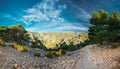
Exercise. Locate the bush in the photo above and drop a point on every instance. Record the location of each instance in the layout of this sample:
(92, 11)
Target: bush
(60, 52)
(71, 47)
(21, 42)
(35, 43)
(55, 53)
(114, 45)
(2, 42)
(20, 48)
(13, 33)
(36, 54)
(51, 55)
(3, 28)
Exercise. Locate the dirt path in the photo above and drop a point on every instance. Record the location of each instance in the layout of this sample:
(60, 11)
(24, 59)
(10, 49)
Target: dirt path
(99, 58)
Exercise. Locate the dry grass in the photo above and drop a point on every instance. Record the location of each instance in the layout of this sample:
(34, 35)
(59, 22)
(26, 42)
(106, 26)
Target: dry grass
(20, 48)
(2, 43)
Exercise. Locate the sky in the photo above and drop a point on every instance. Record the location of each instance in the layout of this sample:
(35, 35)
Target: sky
(53, 15)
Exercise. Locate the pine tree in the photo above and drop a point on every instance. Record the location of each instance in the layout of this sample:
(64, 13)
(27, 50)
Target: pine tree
(104, 27)
(98, 24)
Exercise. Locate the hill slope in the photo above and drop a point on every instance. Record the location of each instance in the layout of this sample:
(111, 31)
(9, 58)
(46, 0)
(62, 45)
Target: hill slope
(53, 40)
(90, 57)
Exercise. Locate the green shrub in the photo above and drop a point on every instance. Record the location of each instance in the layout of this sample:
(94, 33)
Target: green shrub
(35, 43)
(51, 55)
(36, 54)
(55, 53)
(20, 48)
(60, 52)
(21, 42)
(114, 46)
(2, 28)
(13, 33)
(2, 42)
(71, 47)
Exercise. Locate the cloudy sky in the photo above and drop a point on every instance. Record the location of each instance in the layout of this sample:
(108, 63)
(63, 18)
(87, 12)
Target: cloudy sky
(53, 15)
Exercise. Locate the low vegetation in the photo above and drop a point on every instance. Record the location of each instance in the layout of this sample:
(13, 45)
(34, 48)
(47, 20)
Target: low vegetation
(54, 54)
(20, 48)
(13, 34)
(37, 54)
(2, 43)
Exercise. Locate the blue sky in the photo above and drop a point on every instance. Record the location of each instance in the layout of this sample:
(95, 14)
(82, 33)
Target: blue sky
(53, 15)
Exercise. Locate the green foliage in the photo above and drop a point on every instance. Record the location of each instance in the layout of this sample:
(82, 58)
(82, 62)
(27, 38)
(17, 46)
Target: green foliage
(20, 48)
(13, 33)
(60, 52)
(37, 54)
(2, 43)
(55, 53)
(104, 27)
(35, 43)
(3, 28)
(51, 55)
(113, 46)
(100, 37)
(71, 47)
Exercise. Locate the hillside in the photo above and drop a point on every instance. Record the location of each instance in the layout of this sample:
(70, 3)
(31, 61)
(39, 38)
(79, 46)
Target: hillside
(90, 57)
(41, 44)
(53, 39)
(20, 49)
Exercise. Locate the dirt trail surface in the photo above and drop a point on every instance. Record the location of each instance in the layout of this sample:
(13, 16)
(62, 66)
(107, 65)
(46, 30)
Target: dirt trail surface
(89, 57)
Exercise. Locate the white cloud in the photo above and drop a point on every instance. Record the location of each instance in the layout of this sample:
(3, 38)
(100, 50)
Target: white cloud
(81, 13)
(44, 12)
(47, 15)
(62, 27)
(10, 17)
(71, 27)
(84, 15)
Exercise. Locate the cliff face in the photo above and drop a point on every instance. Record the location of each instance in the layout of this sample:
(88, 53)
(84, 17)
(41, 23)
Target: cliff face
(89, 57)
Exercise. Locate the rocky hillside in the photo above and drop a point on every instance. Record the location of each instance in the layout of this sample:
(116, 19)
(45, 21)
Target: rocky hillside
(20, 49)
(40, 43)
(89, 57)
(53, 39)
